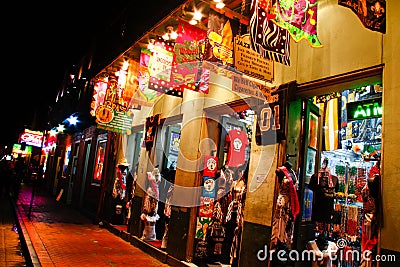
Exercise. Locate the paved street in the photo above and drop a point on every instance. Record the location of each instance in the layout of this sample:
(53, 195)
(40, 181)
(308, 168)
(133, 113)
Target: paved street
(62, 236)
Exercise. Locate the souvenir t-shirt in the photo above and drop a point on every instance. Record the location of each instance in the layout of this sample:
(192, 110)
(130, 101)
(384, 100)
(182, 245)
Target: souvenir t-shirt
(238, 141)
(151, 127)
(210, 166)
(206, 207)
(209, 187)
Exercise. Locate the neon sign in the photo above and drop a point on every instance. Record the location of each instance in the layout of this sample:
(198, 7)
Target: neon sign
(366, 109)
(32, 138)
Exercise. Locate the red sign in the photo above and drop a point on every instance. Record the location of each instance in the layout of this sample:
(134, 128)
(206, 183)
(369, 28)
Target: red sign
(31, 138)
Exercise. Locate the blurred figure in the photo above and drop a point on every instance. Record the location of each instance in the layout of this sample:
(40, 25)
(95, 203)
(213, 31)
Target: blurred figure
(19, 170)
(5, 178)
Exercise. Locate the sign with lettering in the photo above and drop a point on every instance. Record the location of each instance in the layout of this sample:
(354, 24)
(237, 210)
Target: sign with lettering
(243, 85)
(366, 109)
(250, 62)
(31, 138)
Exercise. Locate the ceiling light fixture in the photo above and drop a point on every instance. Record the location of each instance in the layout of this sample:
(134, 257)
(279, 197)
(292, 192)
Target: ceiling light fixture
(220, 5)
(197, 15)
(151, 44)
(170, 34)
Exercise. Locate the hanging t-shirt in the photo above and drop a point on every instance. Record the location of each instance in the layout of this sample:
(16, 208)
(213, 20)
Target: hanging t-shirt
(210, 166)
(208, 187)
(324, 185)
(151, 128)
(237, 141)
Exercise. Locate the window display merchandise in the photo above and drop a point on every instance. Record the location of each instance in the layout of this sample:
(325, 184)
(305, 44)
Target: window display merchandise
(221, 205)
(286, 209)
(167, 208)
(150, 205)
(121, 193)
(324, 185)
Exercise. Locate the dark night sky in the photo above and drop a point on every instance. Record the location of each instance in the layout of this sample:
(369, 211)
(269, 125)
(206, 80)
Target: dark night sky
(40, 42)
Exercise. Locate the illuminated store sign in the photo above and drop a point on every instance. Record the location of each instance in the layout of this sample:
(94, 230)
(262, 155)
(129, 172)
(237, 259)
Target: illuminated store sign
(366, 109)
(17, 149)
(31, 138)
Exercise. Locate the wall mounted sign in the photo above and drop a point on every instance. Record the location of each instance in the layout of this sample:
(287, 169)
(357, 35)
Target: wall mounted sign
(251, 62)
(366, 109)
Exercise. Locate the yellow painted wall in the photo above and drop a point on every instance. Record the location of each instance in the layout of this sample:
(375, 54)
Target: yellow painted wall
(347, 46)
(391, 129)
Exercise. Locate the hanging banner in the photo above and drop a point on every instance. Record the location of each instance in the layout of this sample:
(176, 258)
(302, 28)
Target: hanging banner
(113, 113)
(99, 92)
(160, 68)
(186, 70)
(372, 14)
(219, 42)
(250, 62)
(161, 61)
(179, 61)
(149, 94)
(113, 120)
(299, 18)
(267, 38)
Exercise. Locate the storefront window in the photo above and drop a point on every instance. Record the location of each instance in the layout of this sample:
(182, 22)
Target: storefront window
(221, 212)
(156, 209)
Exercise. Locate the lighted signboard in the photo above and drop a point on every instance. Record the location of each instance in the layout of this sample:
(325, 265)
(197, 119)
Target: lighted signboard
(32, 138)
(366, 109)
(17, 149)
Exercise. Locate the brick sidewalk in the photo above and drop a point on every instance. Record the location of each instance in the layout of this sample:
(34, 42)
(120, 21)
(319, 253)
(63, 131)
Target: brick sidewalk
(10, 245)
(62, 236)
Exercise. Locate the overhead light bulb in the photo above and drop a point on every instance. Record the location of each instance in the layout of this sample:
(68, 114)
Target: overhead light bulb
(220, 5)
(150, 45)
(165, 36)
(174, 35)
(170, 34)
(197, 15)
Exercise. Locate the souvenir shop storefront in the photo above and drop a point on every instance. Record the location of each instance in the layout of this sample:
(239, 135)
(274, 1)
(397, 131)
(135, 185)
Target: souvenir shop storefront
(339, 159)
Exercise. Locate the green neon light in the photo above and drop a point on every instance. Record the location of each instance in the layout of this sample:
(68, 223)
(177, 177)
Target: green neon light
(366, 109)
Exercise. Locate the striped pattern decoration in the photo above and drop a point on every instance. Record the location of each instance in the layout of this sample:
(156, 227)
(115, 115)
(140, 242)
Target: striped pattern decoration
(267, 38)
